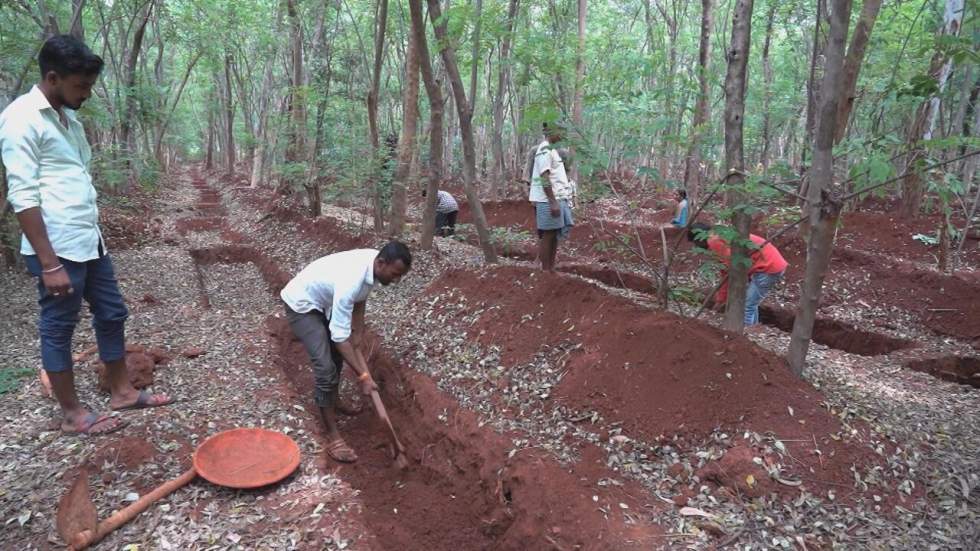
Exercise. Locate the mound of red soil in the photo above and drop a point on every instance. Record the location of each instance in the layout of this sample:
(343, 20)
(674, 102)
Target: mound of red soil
(129, 451)
(590, 238)
(140, 366)
(324, 230)
(501, 214)
(275, 277)
(656, 373)
(463, 490)
(886, 233)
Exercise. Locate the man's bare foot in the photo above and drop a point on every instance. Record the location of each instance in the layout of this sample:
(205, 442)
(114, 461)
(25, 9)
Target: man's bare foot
(92, 424)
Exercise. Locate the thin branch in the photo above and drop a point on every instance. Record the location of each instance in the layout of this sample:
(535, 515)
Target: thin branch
(781, 190)
(905, 174)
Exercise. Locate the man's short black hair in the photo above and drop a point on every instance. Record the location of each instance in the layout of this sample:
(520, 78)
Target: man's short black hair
(66, 55)
(698, 234)
(396, 250)
(682, 193)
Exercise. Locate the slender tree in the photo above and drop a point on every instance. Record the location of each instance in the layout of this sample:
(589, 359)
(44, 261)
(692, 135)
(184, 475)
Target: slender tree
(381, 25)
(406, 143)
(465, 112)
(433, 91)
(692, 168)
(738, 54)
(822, 207)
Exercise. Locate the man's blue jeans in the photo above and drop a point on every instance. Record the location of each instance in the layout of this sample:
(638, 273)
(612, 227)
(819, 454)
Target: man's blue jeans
(95, 281)
(759, 286)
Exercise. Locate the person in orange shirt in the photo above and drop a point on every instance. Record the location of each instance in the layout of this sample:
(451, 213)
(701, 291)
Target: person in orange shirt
(768, 268)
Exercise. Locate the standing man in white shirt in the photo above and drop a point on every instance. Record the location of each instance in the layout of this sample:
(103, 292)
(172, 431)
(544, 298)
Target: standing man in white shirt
(551, 195)
(325, 309)
(46, 154)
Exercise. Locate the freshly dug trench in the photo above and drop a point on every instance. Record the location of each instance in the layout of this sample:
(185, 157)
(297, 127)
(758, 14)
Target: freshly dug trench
(964, 370)
(463, 489)
(836, 334)
(273, 275)
(611, 277)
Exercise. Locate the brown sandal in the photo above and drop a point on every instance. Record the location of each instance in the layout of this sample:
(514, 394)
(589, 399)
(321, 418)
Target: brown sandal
(338, 450)
(92, 421)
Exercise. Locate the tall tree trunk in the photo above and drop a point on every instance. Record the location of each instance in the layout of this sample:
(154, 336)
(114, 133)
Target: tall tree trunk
(209, 150)
(579, 94)
(941, 66)
(738, 55)
(852, 64)
(465, 112)
(433, 91)
(767, 89)
(406, 143)
(811, 83)
(129, 82)
(372, 106)
(229, 117)
(823, 207)
(474, 90)
(296, 154)
(503, 77)
(692, 168)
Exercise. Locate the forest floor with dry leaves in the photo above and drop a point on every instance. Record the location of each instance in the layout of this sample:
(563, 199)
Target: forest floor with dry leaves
(520, 433)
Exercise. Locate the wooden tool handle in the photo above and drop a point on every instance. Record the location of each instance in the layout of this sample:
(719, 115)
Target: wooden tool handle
(84, 539)
(383, 414)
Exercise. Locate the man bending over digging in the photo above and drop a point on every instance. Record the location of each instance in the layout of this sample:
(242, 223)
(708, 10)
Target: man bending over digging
(325, 309)
(768, 268)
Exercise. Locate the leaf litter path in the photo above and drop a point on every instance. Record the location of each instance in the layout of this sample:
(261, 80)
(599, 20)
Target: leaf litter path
(936, 429)
(227, 386)
(238, 381)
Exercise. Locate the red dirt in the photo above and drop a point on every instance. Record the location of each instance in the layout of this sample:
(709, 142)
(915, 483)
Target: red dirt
(946, 304)
(323, 230)
(461, 490)
(958, 369)
(129, 451)
(198, 223)
(275, 277)
(653, 372)
(611, 277)
(885, 233)
(589, 239)
(501, 214)
(836, 334)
